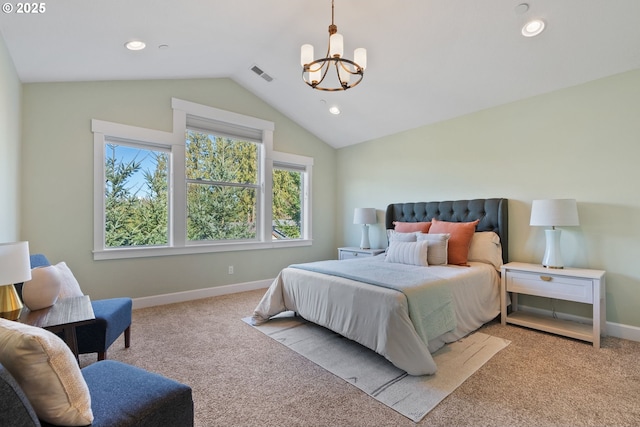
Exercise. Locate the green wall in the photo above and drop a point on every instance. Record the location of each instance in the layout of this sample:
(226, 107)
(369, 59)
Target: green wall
(10, 95)
(57, 183)
(582, 142)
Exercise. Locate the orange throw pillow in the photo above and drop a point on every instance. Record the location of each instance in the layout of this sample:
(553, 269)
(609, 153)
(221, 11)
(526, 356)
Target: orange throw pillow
(460, 240)
(410, 227)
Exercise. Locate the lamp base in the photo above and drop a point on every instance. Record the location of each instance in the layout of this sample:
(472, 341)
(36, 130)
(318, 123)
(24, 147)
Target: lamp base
(12, 315)
(364, 242)
(552, 257)
(10, 304)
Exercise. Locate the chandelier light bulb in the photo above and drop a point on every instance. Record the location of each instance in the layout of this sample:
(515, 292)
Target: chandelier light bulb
(360, 57)
(315, 76)
(306, 54)
(344, 73)
(336, 46)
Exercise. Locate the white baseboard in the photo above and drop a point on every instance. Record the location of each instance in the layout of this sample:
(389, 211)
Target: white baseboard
(171, 298)
(617, 330)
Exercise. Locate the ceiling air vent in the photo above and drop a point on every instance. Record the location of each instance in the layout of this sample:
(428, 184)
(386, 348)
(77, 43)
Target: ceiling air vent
(261, 73)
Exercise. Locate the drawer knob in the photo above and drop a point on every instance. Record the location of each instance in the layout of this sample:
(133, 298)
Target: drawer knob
(546, 278)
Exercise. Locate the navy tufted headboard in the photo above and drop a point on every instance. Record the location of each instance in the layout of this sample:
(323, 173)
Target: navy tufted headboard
(492, 213)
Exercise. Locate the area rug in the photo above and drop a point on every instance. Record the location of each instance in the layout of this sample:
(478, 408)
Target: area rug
(411, 396)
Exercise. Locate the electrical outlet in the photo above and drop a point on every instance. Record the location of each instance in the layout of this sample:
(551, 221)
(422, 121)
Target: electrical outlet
(231, 269)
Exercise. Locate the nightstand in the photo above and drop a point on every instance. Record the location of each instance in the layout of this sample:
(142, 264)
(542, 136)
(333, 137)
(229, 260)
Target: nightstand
(348, 253)
(570, 284)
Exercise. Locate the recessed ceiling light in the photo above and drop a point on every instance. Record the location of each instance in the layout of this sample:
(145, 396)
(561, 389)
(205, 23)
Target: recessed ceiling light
(334, 110)
(533, 28)
(135, 45)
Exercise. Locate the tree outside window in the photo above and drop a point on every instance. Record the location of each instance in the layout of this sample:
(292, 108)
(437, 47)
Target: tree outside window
(222, 187)
(287, 203)
(136, 196)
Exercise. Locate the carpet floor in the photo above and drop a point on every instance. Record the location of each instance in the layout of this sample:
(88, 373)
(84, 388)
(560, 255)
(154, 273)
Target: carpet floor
(241, 377)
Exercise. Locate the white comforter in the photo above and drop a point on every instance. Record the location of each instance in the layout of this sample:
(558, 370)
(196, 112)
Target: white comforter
(378, 317)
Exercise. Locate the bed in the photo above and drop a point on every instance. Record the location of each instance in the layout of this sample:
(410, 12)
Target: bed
(393, 303)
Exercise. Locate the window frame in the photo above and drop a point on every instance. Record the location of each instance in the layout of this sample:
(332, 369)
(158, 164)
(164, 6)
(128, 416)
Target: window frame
(175, 142)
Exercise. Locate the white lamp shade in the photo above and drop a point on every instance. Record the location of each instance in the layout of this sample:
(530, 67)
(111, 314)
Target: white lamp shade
(344, 74)
(554, 213)
(336, 45)
(364, 216)
(360, 57)
(306, 54)
(15, 265)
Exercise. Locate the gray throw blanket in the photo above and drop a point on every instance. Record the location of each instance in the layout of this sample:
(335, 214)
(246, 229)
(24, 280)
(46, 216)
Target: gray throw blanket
(429, 297)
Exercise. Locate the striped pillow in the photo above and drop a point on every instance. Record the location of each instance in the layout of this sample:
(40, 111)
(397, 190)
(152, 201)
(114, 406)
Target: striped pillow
(413, 253)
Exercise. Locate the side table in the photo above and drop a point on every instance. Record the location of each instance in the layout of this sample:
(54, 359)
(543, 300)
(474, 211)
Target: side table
(569, 284)
(63, 316)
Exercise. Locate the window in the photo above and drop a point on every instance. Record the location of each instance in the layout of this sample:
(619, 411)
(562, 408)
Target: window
(136, 195)
(291, 203)
(222, 187)
(212, 184)
(288, 202)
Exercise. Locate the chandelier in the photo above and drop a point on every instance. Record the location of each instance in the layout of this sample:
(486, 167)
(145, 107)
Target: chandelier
(315, 71)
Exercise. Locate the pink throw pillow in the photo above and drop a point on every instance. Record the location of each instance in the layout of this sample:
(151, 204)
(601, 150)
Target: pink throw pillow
(410, 227)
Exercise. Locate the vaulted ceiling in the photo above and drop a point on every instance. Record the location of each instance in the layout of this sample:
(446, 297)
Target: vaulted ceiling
(428, 60)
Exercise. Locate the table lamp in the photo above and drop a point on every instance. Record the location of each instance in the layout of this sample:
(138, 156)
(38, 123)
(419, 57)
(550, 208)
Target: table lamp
(15, 267)
(364, 216)
(553, 213)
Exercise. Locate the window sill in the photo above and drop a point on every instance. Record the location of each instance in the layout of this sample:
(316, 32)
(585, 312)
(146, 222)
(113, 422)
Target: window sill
(194, 249)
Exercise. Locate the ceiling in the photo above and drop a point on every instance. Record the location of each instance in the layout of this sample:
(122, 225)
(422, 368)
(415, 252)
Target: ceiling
(428, 60)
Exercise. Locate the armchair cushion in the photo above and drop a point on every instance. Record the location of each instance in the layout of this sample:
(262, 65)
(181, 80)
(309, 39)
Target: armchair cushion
(113, 315)
(124, 395)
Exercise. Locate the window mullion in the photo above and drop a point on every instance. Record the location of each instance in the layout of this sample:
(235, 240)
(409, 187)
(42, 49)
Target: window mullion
(178, 196)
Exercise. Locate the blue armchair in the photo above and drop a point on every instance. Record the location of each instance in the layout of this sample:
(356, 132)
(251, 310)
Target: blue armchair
(121, 395)
(113, 318)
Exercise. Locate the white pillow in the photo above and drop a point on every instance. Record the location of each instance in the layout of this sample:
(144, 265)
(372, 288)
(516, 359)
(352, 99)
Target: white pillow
(393, 235)
(486, 247)
(438, 247)
(47, 372)
(413, 253)
(69, 285)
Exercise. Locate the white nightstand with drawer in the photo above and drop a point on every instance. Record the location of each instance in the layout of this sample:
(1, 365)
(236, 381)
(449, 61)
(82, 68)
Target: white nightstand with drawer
(570, 284)
(348, 253)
